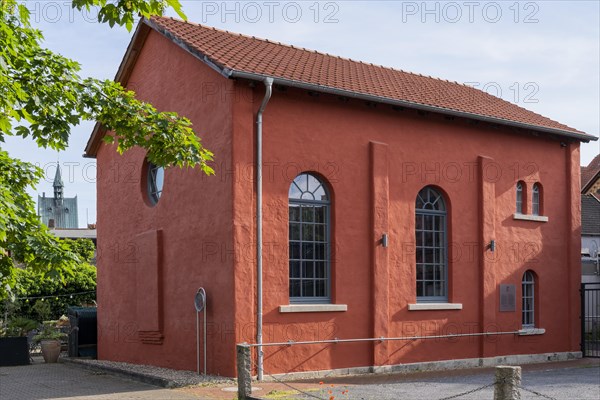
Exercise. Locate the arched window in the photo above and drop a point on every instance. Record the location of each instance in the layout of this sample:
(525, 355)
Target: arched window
(309, 269)
(431, 246)
(528, 300)
(536, 199)
(520, 190)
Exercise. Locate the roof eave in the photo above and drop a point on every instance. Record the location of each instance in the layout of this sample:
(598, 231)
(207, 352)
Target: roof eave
(583, 137)
(145, 25)
(590, 183)
(190, 49)
(129, 59)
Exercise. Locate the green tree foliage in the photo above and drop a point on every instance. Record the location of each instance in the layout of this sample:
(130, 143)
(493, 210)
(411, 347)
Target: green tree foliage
(42, 96)
(54, 296)
(83, 248)
(39, 297)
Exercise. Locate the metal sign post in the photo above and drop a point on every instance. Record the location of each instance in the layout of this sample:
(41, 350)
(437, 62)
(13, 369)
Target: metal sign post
(200, 304)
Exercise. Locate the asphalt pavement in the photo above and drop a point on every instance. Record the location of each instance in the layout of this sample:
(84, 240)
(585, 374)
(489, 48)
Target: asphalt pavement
(63, 381)
(568, 380)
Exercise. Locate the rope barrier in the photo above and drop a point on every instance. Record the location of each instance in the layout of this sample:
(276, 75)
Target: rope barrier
(288, 385)
(455, 396)
(537, 393)
(468, 392)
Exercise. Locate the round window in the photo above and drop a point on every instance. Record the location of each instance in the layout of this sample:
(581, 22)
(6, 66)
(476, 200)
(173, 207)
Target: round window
(156, 178)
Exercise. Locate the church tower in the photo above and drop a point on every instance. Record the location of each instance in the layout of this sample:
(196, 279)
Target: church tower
(58, 211)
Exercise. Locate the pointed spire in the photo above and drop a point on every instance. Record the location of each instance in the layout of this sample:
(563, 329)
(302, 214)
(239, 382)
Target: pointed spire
(57, 177)
(58, 185)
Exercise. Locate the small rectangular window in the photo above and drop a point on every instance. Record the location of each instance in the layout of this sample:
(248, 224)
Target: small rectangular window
(528, 300)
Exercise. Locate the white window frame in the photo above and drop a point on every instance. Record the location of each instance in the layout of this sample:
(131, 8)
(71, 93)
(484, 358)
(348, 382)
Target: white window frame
(528, 300)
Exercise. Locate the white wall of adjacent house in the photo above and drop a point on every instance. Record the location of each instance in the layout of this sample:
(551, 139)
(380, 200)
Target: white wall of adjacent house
(590, 259)
(590, 273)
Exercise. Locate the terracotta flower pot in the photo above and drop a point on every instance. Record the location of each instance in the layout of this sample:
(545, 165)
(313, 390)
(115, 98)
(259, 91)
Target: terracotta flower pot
(50, 350)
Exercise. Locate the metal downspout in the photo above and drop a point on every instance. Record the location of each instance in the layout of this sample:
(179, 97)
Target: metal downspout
(259, 240)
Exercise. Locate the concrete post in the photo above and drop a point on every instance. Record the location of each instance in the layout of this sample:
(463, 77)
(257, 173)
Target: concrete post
(508, 382)
(244, 366)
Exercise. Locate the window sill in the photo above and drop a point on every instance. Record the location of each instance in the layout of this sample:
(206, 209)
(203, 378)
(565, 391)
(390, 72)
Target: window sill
(435, 306)
(293, 308)
(531, 331)
(527, 217)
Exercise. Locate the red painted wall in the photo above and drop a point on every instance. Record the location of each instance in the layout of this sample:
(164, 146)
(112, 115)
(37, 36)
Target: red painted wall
(375, 160)
(194, 216)
(361, 150)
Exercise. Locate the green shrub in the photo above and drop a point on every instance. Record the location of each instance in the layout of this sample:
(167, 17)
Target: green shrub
(43, 310)
(36, 287)
(49, 331)
(18, 326)
(41, 297)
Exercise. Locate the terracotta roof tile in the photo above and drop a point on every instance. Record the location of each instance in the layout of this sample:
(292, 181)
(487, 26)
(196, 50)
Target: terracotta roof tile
(589, 172)
(264, 57)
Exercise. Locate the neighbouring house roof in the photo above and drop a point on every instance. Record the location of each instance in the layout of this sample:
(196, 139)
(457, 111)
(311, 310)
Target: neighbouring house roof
(80, 233)
(590, 173)
(239, 56)
(590, 215)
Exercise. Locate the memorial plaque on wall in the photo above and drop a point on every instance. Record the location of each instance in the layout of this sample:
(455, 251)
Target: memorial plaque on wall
(508, 297)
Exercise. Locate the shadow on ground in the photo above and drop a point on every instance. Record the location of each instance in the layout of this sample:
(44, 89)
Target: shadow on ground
(60, 381)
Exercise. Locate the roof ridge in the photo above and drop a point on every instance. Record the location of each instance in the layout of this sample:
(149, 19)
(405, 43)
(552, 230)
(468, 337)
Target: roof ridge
(595, 160)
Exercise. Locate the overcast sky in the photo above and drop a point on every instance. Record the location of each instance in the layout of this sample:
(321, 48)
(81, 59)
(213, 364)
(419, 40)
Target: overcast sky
(541, 55)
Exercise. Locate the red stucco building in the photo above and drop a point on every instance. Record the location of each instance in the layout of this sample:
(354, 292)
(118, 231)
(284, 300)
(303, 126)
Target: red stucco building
(393, 205)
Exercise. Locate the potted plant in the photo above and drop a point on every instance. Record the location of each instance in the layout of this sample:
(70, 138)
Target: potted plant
(14, 349)
(50, 338)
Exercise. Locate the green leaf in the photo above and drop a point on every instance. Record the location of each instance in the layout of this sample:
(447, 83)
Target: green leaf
(176, 6)
(24, 14)
(4, 124)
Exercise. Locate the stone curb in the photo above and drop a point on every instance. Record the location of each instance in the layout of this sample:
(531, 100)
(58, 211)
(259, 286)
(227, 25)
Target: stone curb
(136, 376)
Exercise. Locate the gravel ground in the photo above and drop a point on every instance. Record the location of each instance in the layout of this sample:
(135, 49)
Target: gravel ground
(155, 375)
(579, 383)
